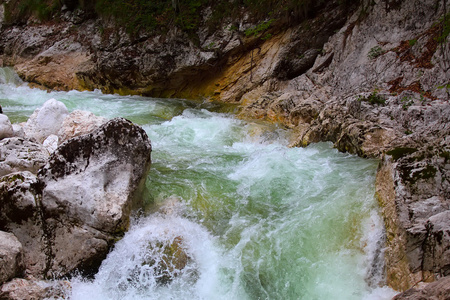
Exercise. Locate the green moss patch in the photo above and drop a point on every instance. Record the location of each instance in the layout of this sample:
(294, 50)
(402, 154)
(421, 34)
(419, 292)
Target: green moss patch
(400, 152)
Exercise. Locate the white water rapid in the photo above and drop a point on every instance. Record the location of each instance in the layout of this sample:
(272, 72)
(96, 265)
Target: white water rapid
(253, 218)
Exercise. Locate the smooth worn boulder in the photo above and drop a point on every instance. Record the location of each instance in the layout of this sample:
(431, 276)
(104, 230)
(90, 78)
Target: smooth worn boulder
(6, 129)
(19, 154)
(11, 257)
(46, 120)
(90, 186)
(20, 214)
(77, 123)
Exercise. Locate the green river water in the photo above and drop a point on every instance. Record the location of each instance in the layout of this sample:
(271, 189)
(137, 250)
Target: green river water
(259, 220)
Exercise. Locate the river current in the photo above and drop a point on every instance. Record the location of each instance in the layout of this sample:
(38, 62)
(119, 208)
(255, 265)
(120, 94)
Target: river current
(257, 219)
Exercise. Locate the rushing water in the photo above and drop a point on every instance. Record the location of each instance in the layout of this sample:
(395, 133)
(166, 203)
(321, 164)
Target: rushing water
(255, 219)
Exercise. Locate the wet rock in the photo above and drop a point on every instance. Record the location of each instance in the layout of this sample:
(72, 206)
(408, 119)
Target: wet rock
(6, 129)
(91, 184)
(11, 257)
(46, 120)
(167, 259)
(19, 154)
(20, 214)
(77, 123)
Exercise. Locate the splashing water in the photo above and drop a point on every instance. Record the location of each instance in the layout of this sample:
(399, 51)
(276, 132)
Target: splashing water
(248, 217)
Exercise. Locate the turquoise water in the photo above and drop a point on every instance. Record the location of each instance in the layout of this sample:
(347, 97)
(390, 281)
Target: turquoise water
(258, 220)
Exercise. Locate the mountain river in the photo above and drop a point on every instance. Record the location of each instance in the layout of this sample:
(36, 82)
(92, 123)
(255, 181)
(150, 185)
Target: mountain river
(255, 218)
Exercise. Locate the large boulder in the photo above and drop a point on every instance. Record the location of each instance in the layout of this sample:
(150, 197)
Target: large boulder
(6, 129)
(46, 120)
(11, 257)
(19, 154)
(69, 216)
(90, 186)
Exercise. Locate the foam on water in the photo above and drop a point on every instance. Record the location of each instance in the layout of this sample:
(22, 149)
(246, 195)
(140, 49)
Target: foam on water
(258, 220)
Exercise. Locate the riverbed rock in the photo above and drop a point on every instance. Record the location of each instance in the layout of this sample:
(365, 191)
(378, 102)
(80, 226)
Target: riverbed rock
(90, 186)
(46, 120)
(6, 129)
(79, 122)
(167, 258)
(11, 257)
(19, 154)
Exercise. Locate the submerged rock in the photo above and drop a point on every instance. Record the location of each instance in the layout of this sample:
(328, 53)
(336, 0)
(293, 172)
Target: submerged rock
(11, 257)
(167, 259)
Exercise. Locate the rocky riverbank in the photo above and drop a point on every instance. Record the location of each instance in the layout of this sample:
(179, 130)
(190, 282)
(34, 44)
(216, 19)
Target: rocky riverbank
(54, 219)
(373, 78)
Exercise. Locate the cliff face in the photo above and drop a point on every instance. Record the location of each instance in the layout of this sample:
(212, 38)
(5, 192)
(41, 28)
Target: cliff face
(373, 78)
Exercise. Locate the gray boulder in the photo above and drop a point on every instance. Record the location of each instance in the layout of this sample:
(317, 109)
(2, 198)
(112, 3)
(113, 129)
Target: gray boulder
(11, 257)
(68, 217)
(19, 154)
(90, 186)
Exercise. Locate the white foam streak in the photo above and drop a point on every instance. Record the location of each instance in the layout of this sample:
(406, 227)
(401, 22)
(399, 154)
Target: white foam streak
(116, 278)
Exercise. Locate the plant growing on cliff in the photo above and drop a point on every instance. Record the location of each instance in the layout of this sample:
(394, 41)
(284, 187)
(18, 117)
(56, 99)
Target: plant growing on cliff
(375, 52)
(258, 29)
(373, 98)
